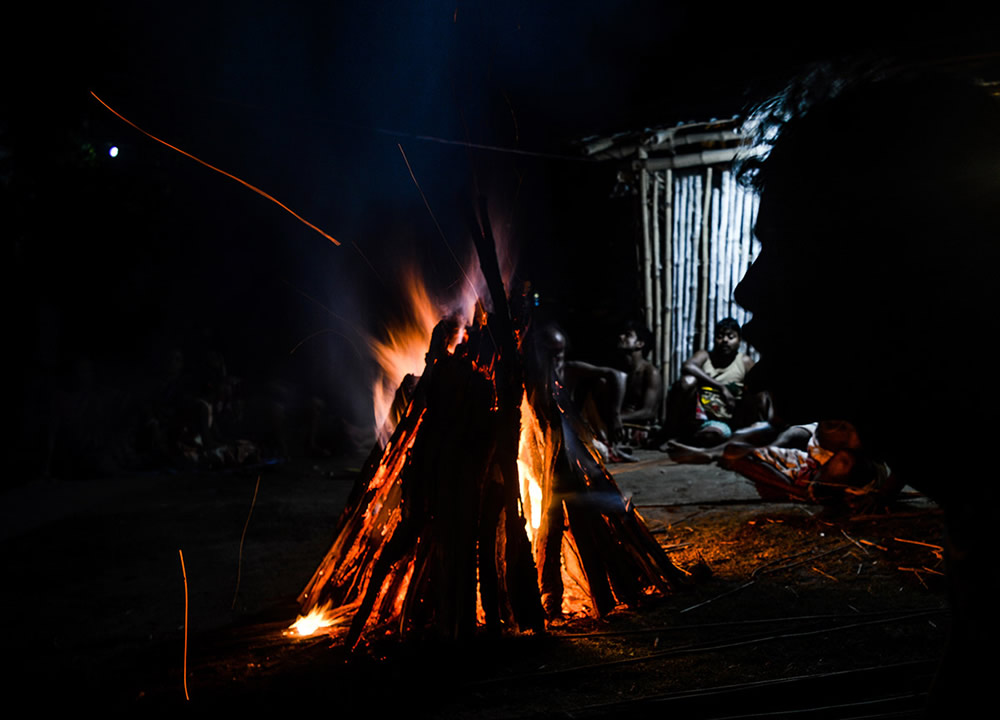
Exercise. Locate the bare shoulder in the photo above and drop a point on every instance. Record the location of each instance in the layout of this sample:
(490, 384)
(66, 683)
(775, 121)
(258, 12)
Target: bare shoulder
(650, 375)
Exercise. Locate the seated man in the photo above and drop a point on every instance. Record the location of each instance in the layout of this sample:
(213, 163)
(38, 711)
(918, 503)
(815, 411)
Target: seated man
(640, 406)
(622, 403)
(706, 404)
(597, 393)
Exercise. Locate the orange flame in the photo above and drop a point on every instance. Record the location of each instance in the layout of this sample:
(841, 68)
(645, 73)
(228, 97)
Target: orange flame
(320, 619)
(308, 624)
(531, 467)
(400, 352)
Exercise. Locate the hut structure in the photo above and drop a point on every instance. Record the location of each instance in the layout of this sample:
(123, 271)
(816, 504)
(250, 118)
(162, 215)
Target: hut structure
(694, 238)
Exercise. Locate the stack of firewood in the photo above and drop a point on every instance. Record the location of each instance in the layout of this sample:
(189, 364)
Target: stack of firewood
(432, 542)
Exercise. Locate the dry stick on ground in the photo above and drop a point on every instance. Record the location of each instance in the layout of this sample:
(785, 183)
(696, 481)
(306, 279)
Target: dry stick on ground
(863, 548)
(811, 557)
(700, 627)
(671, 548)
(239, 561)
(936, 549)
(875, 545)
(896, 516)
(916, 572)
(763, 570)
(910, 667)
(708, 503)
(824, 574)
(695, 648)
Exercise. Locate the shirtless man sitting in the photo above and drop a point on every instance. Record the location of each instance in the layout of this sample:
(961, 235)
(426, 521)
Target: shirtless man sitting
(640, 404)
(608, 398)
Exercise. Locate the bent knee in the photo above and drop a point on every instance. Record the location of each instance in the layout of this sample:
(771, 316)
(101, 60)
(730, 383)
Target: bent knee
(687, 383)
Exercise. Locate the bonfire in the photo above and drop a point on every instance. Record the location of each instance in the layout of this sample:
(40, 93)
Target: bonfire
(483, 481)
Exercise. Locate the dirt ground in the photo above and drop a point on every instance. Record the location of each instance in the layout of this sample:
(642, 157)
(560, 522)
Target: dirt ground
(792, 611)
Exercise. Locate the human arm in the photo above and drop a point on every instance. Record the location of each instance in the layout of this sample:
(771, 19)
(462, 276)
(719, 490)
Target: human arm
(607, 386)
(695, 367)
(650, 394)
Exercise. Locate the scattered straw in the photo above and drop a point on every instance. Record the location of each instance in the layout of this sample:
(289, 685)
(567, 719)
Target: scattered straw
(937, 549)
(824, 574)
(874, 545)
(862, 547)
(916, 572)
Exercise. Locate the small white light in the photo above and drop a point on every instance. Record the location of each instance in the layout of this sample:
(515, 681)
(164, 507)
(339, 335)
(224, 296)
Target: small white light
(113, 151)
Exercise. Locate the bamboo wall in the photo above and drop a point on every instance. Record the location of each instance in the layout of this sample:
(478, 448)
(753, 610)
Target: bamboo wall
(697, 241)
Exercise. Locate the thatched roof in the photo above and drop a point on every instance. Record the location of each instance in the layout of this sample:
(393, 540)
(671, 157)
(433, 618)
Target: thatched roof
(683, 145)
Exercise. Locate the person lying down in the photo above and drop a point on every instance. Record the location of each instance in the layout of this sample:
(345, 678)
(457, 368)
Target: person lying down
(821, 462)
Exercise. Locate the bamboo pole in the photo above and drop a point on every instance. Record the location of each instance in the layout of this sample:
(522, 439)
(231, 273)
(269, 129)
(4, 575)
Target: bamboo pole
(688, 264)
(733, 228)
(657, 269)
(646, 254)
(691, 284)
(682, 286)
(740, 261)
(713, 252)
(732, 244)
(703, 311)
(668, 288)
(727, 207)
(682, 278)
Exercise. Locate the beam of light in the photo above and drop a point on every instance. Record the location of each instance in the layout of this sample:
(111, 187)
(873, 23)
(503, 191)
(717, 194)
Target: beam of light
(113, 151)
(239, 561)
(185, 666)
(222, 172)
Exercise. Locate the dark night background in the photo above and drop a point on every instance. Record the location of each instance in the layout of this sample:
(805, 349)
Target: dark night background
(113, 262)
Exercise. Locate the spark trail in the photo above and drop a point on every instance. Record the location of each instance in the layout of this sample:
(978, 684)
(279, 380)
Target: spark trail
(220, 171)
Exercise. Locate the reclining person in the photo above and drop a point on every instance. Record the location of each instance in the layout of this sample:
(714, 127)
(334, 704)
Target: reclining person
(822, 463)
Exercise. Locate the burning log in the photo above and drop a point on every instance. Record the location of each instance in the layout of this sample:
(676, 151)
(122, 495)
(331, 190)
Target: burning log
(432, 516)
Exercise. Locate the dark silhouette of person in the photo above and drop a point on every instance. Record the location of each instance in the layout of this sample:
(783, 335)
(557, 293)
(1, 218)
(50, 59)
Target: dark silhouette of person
(880, 230)
(582, 505)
